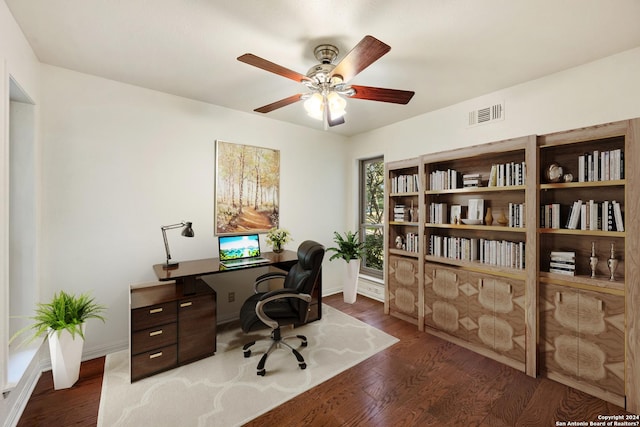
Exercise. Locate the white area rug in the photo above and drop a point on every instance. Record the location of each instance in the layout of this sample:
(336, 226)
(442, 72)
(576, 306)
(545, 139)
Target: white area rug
(224, 390)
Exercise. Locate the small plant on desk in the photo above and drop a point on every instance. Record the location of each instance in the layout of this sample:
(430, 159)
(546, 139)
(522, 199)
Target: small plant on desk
(277, 238)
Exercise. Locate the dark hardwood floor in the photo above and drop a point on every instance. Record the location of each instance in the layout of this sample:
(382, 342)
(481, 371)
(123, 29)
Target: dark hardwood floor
(420, 381)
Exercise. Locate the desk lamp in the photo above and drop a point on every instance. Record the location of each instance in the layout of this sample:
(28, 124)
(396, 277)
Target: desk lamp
(187, 231)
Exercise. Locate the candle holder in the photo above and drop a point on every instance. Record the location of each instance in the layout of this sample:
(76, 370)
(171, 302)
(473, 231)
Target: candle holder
(593, 260)
(612, 263)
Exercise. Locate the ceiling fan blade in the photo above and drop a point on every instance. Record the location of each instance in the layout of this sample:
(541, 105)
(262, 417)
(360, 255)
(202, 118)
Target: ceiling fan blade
(256, 61)
(384, 95)
(368, 51)
(279, 104)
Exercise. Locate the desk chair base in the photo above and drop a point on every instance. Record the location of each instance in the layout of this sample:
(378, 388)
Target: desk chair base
(277, 342)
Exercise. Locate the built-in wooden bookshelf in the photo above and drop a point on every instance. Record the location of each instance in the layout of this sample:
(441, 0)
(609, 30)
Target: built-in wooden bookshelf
(492, 287)
(403, 239)
(587, 317)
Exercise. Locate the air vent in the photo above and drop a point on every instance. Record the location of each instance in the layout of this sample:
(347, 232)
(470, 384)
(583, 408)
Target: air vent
(486, 114)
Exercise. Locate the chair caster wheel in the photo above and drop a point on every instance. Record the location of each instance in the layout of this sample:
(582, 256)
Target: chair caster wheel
(303, 366)
(247, 353)
(261, 372)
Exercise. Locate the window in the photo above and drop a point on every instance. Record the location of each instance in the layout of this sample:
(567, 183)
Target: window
(372, 215)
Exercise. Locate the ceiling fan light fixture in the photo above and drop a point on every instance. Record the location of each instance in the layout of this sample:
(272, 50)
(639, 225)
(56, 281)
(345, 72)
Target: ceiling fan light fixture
(336, 104)
(314, 106)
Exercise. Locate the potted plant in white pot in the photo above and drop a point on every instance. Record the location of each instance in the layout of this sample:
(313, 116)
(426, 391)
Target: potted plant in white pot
(350, 249)
(63, 321)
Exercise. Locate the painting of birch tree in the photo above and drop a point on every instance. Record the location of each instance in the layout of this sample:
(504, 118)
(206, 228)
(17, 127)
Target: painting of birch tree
(246, 189)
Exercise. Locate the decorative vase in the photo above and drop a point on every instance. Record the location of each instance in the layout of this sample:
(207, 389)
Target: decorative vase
(65, 351)
(502, 220)
(350, 285)
(277, 248)
(488, 219)
(612, 263)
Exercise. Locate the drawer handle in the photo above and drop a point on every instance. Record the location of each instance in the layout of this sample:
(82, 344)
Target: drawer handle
(155, 310)
(154, 333)
(186, 304)
(154, 355)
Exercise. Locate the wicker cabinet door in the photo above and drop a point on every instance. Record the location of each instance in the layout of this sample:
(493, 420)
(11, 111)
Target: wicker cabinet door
(403, 286)
(445, 300)
(496, 312)
(601, 340)
(559, 330)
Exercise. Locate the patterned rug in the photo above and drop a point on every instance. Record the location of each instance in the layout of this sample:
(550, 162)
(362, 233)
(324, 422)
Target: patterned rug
(224, 390)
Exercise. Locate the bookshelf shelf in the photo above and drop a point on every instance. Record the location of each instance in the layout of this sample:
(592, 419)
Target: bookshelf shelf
(499, 228)
(471, 190)
(594, 233)
(573, 185)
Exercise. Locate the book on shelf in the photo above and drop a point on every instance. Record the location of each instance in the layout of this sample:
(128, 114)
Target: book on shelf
(562, 271)
(617, 212)
(562, 265)
(563, 254)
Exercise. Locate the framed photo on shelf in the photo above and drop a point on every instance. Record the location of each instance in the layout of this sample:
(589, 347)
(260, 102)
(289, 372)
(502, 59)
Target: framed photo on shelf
(476, 209)
(246, 189)
(456, 214)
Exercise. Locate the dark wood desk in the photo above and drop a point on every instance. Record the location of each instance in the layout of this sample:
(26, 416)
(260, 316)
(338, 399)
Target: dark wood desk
(174, 323)
(188, 272)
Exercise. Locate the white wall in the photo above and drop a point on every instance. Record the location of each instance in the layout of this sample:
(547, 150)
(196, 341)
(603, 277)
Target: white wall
(599, 92)
(119, 161)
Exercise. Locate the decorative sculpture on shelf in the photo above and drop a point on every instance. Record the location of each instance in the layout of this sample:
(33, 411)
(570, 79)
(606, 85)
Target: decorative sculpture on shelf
(593, 260)
(612, 263)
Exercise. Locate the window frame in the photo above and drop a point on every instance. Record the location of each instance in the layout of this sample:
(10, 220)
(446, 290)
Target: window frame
(363, 225)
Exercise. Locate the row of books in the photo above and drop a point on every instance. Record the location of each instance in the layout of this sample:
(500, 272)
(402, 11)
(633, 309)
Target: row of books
(443, 180)
(507, 174)
(405, 183)
(454, 247)
(590, 215)
(438, 213)
(563, 262)
(411, 242)
(501, 253)
(601, 166)
(516, 215)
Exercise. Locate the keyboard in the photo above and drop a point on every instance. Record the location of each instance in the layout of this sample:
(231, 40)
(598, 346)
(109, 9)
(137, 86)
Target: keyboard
(242, 262)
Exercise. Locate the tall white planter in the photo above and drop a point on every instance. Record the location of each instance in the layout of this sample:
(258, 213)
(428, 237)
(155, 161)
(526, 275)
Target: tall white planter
(66, 355)
(350, 285)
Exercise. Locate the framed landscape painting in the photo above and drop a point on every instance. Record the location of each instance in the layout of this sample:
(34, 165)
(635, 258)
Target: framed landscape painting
(247, 189)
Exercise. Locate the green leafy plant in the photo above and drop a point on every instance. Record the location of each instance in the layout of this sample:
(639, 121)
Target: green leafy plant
(348, 247)
(64, 312)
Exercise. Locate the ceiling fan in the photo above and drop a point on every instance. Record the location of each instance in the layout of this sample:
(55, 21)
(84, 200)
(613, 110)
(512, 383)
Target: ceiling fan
(327, 83)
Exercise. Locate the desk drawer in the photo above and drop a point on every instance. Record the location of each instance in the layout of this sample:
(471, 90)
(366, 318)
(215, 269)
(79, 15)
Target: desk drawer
(153, 315)
(159, 336)
(151, 362)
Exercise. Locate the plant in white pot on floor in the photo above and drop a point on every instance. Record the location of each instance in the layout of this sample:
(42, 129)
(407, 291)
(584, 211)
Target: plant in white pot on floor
(350, 249)
(63, 321)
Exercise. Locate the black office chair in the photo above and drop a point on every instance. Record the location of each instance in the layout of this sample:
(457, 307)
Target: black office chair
(282, 307)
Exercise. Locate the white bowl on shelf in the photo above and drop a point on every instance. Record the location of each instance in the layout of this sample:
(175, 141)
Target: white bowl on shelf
(471, 221)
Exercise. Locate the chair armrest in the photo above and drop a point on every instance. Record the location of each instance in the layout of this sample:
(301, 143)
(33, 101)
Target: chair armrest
(266, 277)
(273, 296)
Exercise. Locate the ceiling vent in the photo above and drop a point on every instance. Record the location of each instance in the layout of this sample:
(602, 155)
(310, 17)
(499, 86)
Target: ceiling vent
(486, 114)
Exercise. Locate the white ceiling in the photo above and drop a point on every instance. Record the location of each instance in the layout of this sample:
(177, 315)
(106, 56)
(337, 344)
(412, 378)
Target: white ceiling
(446, 51)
